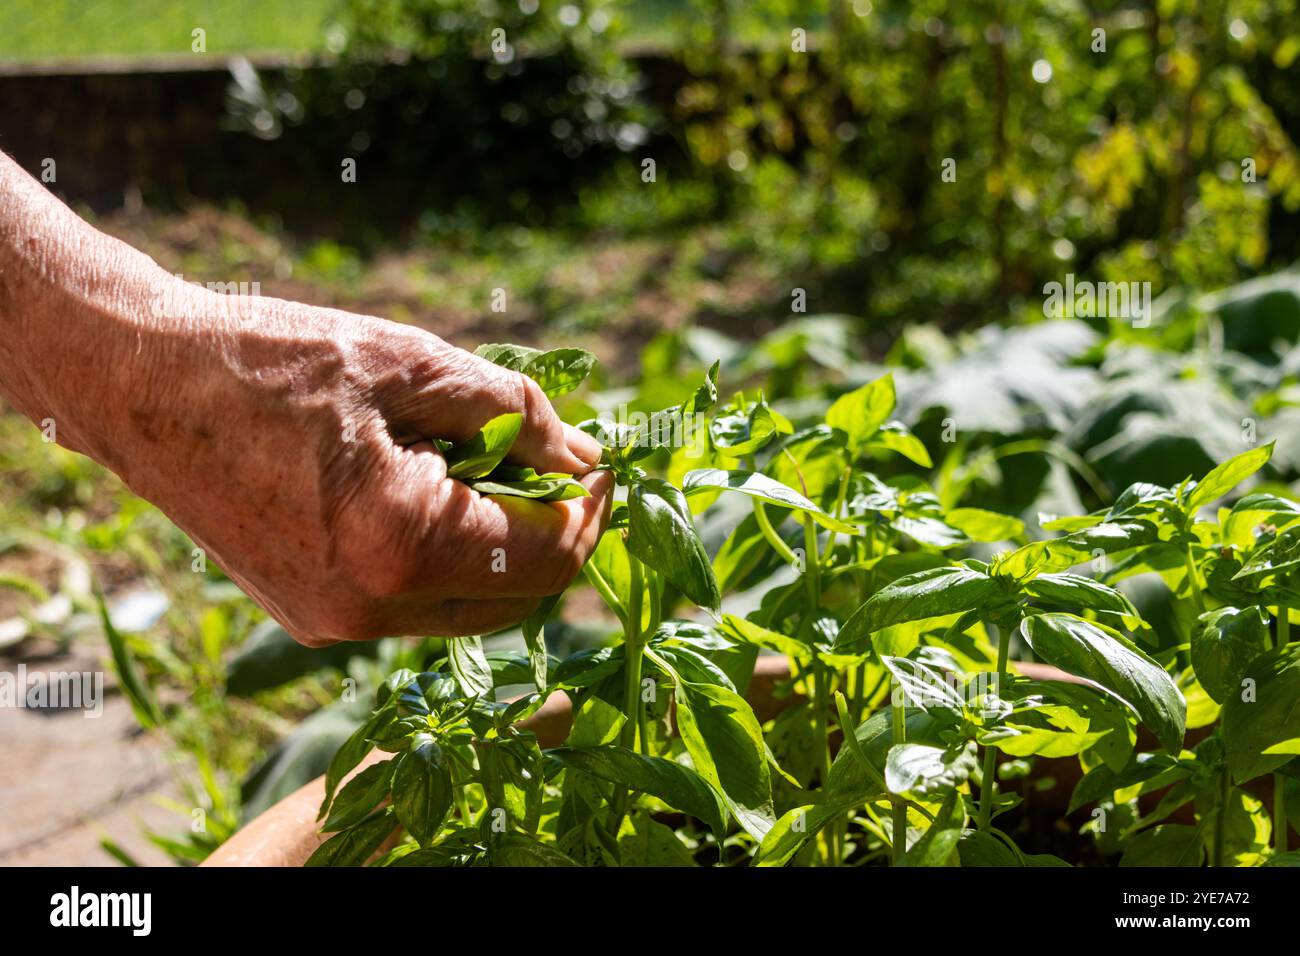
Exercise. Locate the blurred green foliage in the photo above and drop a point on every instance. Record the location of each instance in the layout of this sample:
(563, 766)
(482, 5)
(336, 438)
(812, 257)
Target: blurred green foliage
(897, 159)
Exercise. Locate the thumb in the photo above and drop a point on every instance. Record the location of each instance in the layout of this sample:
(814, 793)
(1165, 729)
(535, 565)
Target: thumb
(450, 393)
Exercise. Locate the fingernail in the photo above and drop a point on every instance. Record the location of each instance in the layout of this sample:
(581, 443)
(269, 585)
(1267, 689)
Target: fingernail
(585, 447)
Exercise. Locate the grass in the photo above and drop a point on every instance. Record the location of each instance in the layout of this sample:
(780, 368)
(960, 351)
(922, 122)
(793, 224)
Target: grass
(57, 29)
(46, 29)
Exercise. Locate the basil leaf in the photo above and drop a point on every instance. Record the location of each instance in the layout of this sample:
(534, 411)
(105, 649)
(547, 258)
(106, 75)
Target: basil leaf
(652, 844)
(760, 486)
(359, 796)
(1262, 731)
(895, 436)
(662, 534)
(472, 671)
(675, 785)
(353, 751)
(1058, 554)
(1168, 845)
(552, 486)
(1087, 650)
(353, 847)
(932, 593)
(859, 413)
(513, 357)
(517, 849)
(1226, 476)
(560, 371)
(1077, 590)
(477, 457)
(923, 686)
(743, 431)
(796, 827)
(935, 846)
(535, 641)
(1150, 771)
(985, 526)
(1224, 643)
(422, 789)
(752, 633)
(921, 770)
(725, 741)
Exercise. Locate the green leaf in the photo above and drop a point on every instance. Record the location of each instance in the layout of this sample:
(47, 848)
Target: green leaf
(923, 686)
(979, 848)
(662, 534)
(646, 842)
(1224, 643)
(675, 785)
(1262, 731)
(725, 741)
(795, 828)
(986, 526)
(1168, 845)
(705, 395)
(1100, 655)
(470, 666)
(932, 593)
(921, 770)
(359, 796)
(560, 371)
(527, 483)
(1038, 557)
(1223, 478)
(477, 457)
(143, 703)
(760, 486)
(859, 413)
(517, 849)
(1024, 741)
(513, 357)
(353, 751)
(935, 846)
(535, 641)
(752, 633)
(353, 847)
(1151, 772)
(742, 431)
(851, 781)
(895, 436)
(422, 789)
(1079, 591)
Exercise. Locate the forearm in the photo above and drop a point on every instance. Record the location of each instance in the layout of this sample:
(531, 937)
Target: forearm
(75, 308)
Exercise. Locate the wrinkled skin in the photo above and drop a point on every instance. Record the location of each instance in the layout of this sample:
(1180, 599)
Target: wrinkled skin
(290, 442)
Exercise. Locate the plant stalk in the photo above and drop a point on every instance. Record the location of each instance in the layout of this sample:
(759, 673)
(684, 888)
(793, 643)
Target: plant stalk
(1195, 585)
(988, 786)
(898, 827)
(1220, 825)
(633, 652)
(1279, 813)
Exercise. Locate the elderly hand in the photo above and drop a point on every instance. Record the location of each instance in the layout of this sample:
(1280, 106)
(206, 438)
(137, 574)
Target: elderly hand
(292, 443)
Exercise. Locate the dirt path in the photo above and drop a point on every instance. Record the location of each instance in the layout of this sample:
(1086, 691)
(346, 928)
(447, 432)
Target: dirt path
(68, 780)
